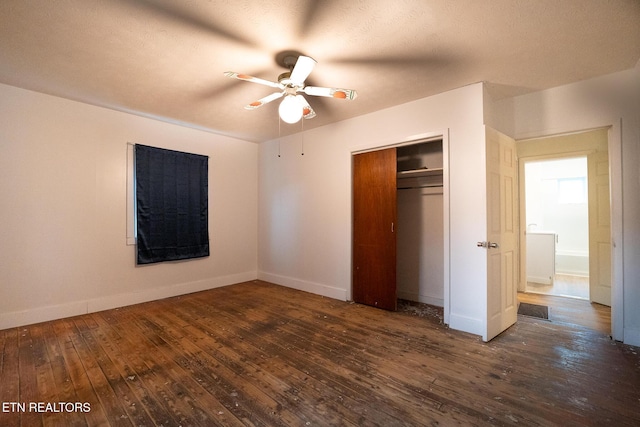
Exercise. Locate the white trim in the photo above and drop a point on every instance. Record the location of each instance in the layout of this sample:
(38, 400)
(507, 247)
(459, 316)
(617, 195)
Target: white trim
(446, 224)
(533, 135)
(399, 142)
(557, 156)
(471, 325)
(75, 308)
(617, 239)
(304, 285)
(540, 279)
(131, 204)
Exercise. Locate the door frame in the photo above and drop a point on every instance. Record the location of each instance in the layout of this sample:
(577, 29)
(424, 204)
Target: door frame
(412, 140)
(614, 143)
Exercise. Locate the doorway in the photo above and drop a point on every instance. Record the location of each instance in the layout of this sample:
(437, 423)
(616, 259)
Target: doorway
(557, 226)
(568, 193)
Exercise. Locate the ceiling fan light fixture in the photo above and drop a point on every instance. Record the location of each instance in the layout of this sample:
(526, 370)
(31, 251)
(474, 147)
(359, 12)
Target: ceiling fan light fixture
(294, 106)
(290, 110)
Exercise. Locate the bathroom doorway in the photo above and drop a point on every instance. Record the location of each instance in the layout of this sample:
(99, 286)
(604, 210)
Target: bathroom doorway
(566, 238)
(557, 226)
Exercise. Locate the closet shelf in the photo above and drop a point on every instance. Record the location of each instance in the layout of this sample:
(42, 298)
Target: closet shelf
(415, 173)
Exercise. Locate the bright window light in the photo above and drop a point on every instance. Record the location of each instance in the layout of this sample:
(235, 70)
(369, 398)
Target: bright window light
(572, 190)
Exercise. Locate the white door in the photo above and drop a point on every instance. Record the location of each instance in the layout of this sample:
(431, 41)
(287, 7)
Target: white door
(599, 228)
(502, 233)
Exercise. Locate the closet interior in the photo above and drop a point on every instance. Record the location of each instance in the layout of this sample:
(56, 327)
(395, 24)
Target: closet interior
(420, 235)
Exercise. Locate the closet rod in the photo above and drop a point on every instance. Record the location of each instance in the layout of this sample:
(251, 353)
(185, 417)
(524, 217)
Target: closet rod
(421, 186)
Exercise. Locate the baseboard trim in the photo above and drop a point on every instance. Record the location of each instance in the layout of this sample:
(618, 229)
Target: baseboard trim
(632, 337)
(42, 314)
(541, 280)
(75, 308)
(566, 272)
(304, 285)
(466, 324)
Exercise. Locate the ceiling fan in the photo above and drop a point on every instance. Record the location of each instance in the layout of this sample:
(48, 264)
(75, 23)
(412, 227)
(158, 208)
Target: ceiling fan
(291, 86)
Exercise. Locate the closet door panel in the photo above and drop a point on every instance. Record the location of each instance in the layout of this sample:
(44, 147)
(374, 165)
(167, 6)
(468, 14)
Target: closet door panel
(374, 220)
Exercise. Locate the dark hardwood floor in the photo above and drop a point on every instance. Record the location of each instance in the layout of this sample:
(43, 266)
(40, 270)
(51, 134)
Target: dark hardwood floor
(257, 354)
(572, 310)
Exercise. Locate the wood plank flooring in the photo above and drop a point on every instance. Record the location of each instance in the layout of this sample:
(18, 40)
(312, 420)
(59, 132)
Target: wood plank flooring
(257, 354)
(573, 310)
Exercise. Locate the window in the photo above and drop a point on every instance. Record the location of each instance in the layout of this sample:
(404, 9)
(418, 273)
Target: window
(171, 196)
(572, 190)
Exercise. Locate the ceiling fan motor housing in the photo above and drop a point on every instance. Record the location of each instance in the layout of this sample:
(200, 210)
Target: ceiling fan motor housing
(289, 86)
(290, 61)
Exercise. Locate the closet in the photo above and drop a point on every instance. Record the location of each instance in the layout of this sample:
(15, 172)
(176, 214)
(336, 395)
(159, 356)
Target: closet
(398, 225)
(420, 236)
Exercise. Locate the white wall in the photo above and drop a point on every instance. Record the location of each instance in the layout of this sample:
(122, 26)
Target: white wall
(305, 201)
(63, 195)
(612, 100)
(420, 231)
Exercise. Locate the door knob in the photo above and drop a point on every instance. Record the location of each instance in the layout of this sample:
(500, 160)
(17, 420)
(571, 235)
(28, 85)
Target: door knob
(487, 245)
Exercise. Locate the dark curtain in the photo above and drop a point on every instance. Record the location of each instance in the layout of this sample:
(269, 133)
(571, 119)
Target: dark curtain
(172, 206)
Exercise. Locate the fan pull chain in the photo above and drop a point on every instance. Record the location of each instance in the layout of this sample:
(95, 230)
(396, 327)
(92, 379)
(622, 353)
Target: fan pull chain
(302, 124)
(279, 139)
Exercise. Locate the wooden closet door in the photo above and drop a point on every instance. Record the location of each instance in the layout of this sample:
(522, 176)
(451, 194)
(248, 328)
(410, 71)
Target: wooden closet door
(374, 237)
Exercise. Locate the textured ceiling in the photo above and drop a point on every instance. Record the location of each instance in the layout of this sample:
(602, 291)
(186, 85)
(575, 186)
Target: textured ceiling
(166, 59)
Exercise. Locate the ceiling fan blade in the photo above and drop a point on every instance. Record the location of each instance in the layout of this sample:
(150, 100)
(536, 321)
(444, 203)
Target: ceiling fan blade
(307, 111)
(252, 79)
(259, 103)
(302, 69)
(331, 92)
